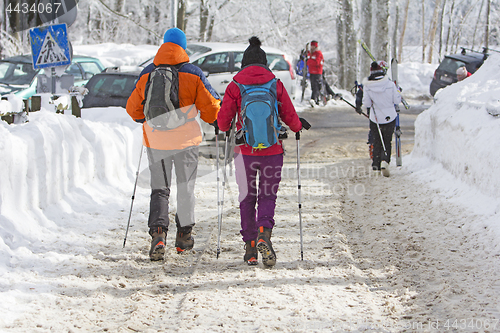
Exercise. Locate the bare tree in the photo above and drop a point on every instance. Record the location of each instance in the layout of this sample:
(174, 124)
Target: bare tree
(181, 15)
(394, 44)
(433, 29)
(381, 41)
(423, 30)
(366, 34)
(403, 30)
(340, 51)
(450, 15)
(441, 20)
(487, 32)
(350, 43)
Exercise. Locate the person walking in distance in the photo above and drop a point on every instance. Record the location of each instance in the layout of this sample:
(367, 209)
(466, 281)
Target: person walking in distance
(253, 159)
(173, 142)
(315, 63)
(381, 98)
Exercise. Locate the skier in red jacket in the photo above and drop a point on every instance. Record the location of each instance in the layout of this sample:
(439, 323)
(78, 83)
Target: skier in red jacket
(315, 63)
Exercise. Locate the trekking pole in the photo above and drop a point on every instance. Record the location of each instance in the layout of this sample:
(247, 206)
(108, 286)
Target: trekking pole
(133, 196)
(297, 137)
(219, 209)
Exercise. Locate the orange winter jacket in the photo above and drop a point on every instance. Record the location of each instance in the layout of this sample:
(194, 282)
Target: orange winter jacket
(194, 89)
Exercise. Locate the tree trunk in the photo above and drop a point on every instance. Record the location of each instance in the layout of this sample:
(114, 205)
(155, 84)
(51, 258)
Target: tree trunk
(181, 15)
(366, 35)
(380, 48)
(477, 23)
(449, 26)
(204, 14)
(432, 30)
(340, 51)
(423, 31)
(403, 30)
(350, 45)
(441, 30)
(394, 44)
(487, 29)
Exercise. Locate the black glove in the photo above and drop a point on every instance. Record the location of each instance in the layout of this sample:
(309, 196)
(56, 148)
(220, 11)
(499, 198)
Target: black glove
(305, 124)
(337, 96)
(216, 126)
(358, 109)
(396, 106)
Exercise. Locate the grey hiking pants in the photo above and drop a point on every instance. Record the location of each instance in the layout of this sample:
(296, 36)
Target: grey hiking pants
(161, 163)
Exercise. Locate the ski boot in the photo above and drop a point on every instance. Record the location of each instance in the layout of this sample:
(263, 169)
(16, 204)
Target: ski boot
(265, 246)
(250, 253)
(157, 250)
(183, 240)
(384, 167)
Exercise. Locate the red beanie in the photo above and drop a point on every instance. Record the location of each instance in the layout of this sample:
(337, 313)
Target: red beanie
(314, 43)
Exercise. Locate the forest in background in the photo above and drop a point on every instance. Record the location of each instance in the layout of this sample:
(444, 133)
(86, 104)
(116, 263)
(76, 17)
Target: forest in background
(434, 27)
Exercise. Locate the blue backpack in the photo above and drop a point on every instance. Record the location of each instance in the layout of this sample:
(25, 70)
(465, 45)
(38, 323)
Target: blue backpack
(261, 127)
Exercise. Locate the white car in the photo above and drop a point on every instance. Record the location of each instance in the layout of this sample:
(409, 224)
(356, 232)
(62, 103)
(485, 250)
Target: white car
(221, 61)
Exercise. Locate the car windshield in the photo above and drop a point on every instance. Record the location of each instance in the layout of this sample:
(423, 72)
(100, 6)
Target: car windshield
(112, 85)
(16, 73)
(193, 49)
(450, 65)
(276, 62)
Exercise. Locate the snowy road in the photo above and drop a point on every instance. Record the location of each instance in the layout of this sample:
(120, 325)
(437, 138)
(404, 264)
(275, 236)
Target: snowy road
(380, 255)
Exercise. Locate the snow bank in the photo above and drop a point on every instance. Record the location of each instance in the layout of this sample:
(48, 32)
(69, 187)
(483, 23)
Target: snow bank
(460, 132)
(415, 78)
(53, 155)
(130, 55)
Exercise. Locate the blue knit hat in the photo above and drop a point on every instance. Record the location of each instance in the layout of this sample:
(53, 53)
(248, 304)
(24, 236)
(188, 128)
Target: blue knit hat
(176, 36)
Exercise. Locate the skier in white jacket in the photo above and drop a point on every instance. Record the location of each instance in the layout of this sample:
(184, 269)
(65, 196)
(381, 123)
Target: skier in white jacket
(381, 98)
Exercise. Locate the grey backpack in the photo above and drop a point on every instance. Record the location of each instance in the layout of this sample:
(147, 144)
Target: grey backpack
(161, 102)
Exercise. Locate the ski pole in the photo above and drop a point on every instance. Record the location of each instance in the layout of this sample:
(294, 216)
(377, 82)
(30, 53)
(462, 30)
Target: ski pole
(379, 132)
(364, 114)
(297, 137)
(219, 210)
(133, 196)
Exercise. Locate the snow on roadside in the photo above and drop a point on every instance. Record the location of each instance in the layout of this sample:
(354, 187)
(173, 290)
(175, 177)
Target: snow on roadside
(456, 142)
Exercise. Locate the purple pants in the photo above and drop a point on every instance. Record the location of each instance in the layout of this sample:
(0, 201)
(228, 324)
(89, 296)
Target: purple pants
(263, 195)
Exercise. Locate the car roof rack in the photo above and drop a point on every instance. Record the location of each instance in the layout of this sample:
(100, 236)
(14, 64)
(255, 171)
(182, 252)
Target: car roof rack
(484, 51)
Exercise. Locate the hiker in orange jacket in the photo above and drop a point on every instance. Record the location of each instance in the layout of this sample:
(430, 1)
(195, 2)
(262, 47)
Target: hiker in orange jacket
(178, 146)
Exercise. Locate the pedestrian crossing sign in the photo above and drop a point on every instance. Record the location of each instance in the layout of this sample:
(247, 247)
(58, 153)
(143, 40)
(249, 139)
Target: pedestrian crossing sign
(50, 46)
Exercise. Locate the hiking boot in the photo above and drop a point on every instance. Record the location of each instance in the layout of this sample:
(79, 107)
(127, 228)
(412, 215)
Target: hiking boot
(250, 253)
(157, 244)
(183, 240)
(384, 167)
(265, 246)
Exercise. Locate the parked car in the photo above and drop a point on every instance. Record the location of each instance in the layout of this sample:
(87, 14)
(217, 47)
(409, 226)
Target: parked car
(221, 61)
(446, 73)
(110, 89)
(18, 76)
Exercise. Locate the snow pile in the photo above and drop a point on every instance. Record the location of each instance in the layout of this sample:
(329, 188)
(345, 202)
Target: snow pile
(415, 78)
(51, 157)
(130, 55)
(459, 132)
